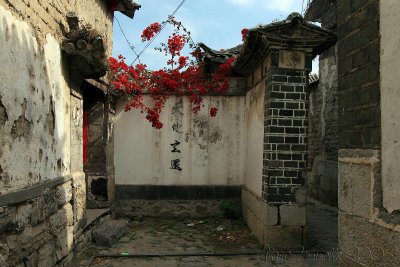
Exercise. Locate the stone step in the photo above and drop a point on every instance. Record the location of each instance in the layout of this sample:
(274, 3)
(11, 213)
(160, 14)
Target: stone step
(94, 215)
(109, 232)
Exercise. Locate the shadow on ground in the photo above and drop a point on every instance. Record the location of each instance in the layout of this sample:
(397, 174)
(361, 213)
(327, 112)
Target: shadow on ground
(212, 235)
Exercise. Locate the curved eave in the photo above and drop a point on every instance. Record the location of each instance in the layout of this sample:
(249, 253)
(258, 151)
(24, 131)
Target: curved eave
(252, 55)
(282, 35)
(292, 33)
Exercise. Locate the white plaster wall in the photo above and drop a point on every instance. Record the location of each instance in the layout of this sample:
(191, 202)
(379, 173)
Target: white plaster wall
(212, 149)
(255, 138)
(390, 102)
(32, 85)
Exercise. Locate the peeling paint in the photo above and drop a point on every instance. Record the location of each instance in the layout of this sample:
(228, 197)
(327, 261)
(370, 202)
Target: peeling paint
(40, 154)
(215, 135)
(50, 120)
(21, 128)
(33, 93)
(3, 114)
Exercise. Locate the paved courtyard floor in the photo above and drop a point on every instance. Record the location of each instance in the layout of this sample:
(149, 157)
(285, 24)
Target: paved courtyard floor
(155, 236)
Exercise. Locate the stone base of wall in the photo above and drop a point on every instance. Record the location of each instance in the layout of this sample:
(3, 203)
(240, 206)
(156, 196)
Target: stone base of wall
(278, 227)
(135, 209)
(366, 243)
(176, 192)
(367, 236)
(43, 225)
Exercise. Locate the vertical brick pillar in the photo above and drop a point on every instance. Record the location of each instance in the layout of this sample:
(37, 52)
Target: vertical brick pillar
(284, 51)
(286, 124)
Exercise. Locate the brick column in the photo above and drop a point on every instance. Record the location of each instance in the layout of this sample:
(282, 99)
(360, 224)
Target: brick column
(286, 125)
(280, 56)
(285, 146)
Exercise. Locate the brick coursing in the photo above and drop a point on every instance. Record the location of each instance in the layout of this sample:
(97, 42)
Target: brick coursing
(358, 68)
(285, 134)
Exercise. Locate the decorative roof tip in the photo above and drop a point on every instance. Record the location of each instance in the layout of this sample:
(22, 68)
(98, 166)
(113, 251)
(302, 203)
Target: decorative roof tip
(126, 7)
(295, 18)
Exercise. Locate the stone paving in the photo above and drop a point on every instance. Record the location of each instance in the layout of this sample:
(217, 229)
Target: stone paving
(217, 235)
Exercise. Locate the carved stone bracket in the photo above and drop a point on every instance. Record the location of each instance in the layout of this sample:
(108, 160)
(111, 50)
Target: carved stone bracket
(85, 50)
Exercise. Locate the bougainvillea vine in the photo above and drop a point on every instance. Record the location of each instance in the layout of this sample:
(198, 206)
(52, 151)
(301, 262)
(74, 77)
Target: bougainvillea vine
(183, 76)
(244, 34)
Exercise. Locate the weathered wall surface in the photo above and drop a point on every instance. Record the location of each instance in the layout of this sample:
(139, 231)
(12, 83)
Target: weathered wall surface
(35, 106)
(390, 101)
(95, 164)
(323, 114)
(42, 187)
(188, 150)
(255, 136)
(323, 132)
(35, 101)
(369, 232)
(44, 227)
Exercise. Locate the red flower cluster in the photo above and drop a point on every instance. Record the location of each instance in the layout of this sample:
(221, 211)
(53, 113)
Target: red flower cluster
(176, 43)
(150, 31)
(244, 34)
(213, 111)
(186, 76)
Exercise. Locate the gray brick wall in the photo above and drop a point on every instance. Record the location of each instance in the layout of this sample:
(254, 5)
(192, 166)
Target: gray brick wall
(358, 68)
(285, 134)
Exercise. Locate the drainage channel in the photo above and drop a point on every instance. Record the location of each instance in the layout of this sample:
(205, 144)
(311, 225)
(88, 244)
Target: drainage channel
(204, 254)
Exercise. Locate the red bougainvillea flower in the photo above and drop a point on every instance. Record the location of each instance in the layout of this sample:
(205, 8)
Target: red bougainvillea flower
(150, 31)
(175, 44)
(213, 111)
(244, 34)
(184, 76)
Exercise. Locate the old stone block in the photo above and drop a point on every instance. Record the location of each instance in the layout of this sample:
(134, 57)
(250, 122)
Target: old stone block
(64, 217)
(4, 250)
(39, 211)
(67, 261)
(367, 243)
(32, 259)
(361, 190)
(49, 260)
(43, 207)
(8, 219)
(64, 242)
(355, 188)
(79, 195)
(256, 226)
(46, 252)
(252, 202)
(64, 193)
(26, 242)
(24, 213)
(283, 237)
(109, 232)
(344, 177)
(292, 215)
(11, 241)
(269, 214)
